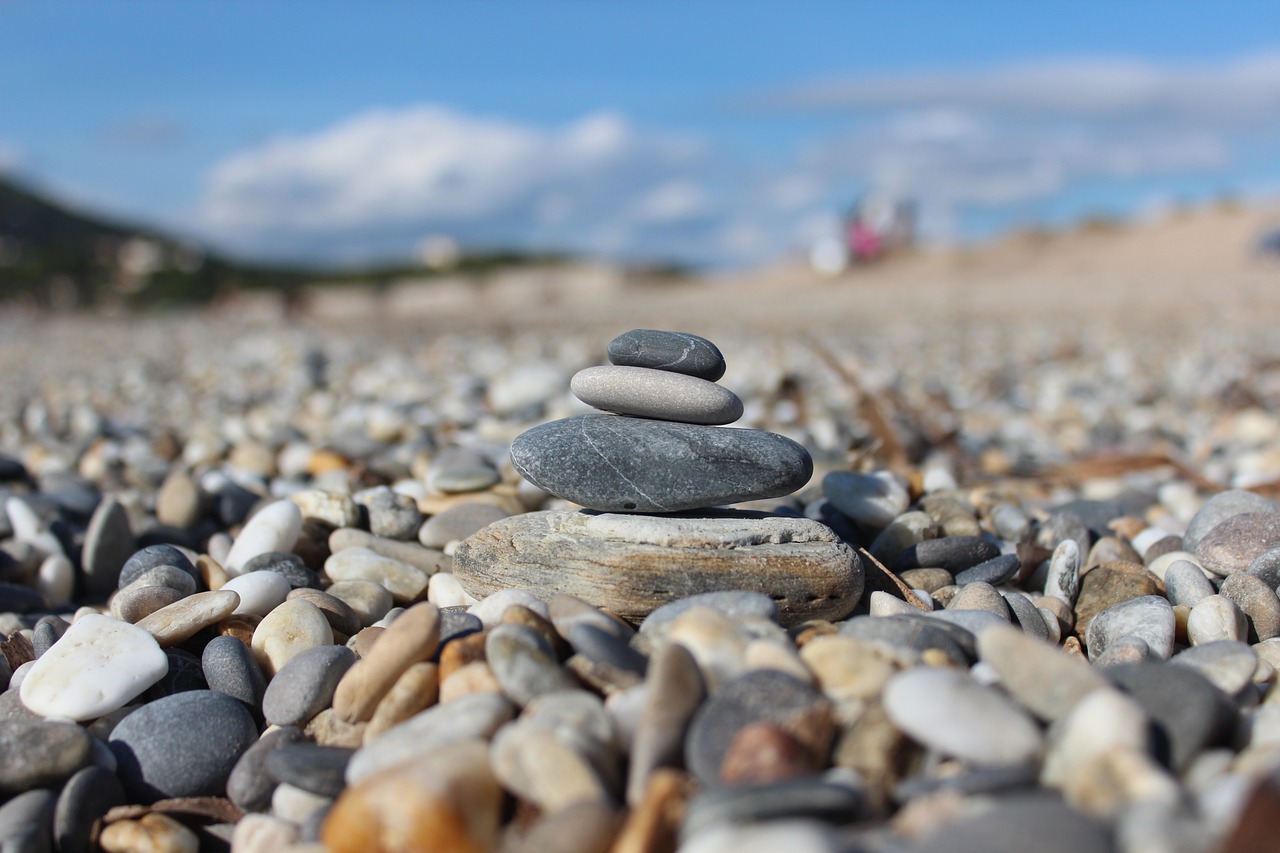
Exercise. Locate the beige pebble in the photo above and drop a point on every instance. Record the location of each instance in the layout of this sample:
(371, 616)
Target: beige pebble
(714, 641)
(333, 509)
(413, 637)
(1216, 617)
(766, 654)
(287, 631)
(181, 620)
(405, 582)
(474, 677)
(327, 729)
(847, 668)
(416, 690)
(211, 572)
(260, 833)
(151, 833)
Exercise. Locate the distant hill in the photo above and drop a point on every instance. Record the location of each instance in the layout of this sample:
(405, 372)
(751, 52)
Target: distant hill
(55, 257)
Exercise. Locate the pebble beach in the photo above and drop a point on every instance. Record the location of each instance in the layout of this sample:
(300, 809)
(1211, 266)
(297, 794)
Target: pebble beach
(276, 583)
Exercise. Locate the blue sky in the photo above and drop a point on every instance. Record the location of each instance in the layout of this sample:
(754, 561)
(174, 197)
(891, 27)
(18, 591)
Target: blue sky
(710, 132)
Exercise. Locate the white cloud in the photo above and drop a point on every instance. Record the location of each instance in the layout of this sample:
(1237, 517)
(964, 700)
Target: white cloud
(372, 180)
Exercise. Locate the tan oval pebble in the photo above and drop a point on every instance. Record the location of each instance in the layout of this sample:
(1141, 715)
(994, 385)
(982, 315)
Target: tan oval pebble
(427, 560)
(451, 803)
(138, 602)
(327, 729)
(287, 631)
(715, 641)
(368, 600)
(413, 637)
(181, 620)
(151, 833)
(260, 833)
(240, 627)
(766, 654)
(475, 677)
(536, 765)
(295, 805)
(364, 639)
(405, 582)
(416, 690)
(211, 572)
(846, 668)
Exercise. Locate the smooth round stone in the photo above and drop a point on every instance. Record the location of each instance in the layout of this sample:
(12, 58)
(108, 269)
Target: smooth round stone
(995, 571)
(305, 685)
(1220, 508)
(1216, 617)
(606, 648)
(183, 745)
(1038, 675)
(1186, 584)
(648, 393)
(907, 529)
(392, 515)
(761, 696)
(614, 463)
(428, 560)
(185, 673)
(228, 667)
(1259, 603)
(260, 592)
(1266, 567)
(1103, 722)
(410, 639)
(454, 625)
(47, 632)
(491, 610)
(847, 668)
(275, 527)
(341, 617)
(524, 663)
(98, 666)
(476, 716)
(249, 786)
(538, 767)
(369, 601)
(871, 500)
(181, 620)
(108, 544)
(458, 522)
(25, 821)
(87, 796)
(403, 581)
(152, 557)
(135, 603)
(173, 577)
(179, 503)
(946, 710)
(1160, 565)
(41, 754)
(257, 833)
(316, 769)
(1149, 617)
(978, 595)
(675, 352)
(632, 565)
(462, 479)
(1229, 664)
(735, 604)
(568, 611)
(288, 631)
(56, 580)
(286, 565)
(1103, 588)
(1025, 615)
(1233, 545)
(953, 553)
(1189, 712)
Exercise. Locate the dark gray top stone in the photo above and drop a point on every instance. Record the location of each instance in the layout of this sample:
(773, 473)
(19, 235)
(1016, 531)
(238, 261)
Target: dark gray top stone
(183, 745)
(87, 796)
(229, 667)
(107, 545)
(678, 352)
(304, 686)
(621, 464)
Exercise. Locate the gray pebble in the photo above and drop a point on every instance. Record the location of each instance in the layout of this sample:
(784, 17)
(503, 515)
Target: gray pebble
(87, 796)
(995, 571)
(47, 632)
(810, 797)
(917, 633)
(1189, 713)
(953, 553)
(1258, 601)
(289, 566)
(1219, 508)
(391, 514)
(229, 667)
(15, 598)
(606, 648)
(871, 500)
(647, 393)
(183, 745)
(250, 786)
(41, 754)
(1040, 823)
(735, 604)
(26, 822)
(1228, 664)
(1234, 544)
(1149, 617)
(524, 663)
(1266, 567)
(458, 522)
(305, 685)
(320, 770)
(1185, 583)
(152, 556)
(108, 544)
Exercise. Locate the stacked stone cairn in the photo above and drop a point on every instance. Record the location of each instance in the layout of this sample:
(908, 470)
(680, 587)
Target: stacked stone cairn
(653, 471)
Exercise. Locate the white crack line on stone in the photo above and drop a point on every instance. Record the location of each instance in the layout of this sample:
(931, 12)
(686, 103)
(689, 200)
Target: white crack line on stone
(690, 347)
(582, 428)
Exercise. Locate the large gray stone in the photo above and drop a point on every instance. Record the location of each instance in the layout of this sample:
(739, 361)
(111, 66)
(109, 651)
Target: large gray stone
(621, 464)
(631, 565)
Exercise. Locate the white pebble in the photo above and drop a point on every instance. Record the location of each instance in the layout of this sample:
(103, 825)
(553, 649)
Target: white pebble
(275, 528)
(260, 592)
